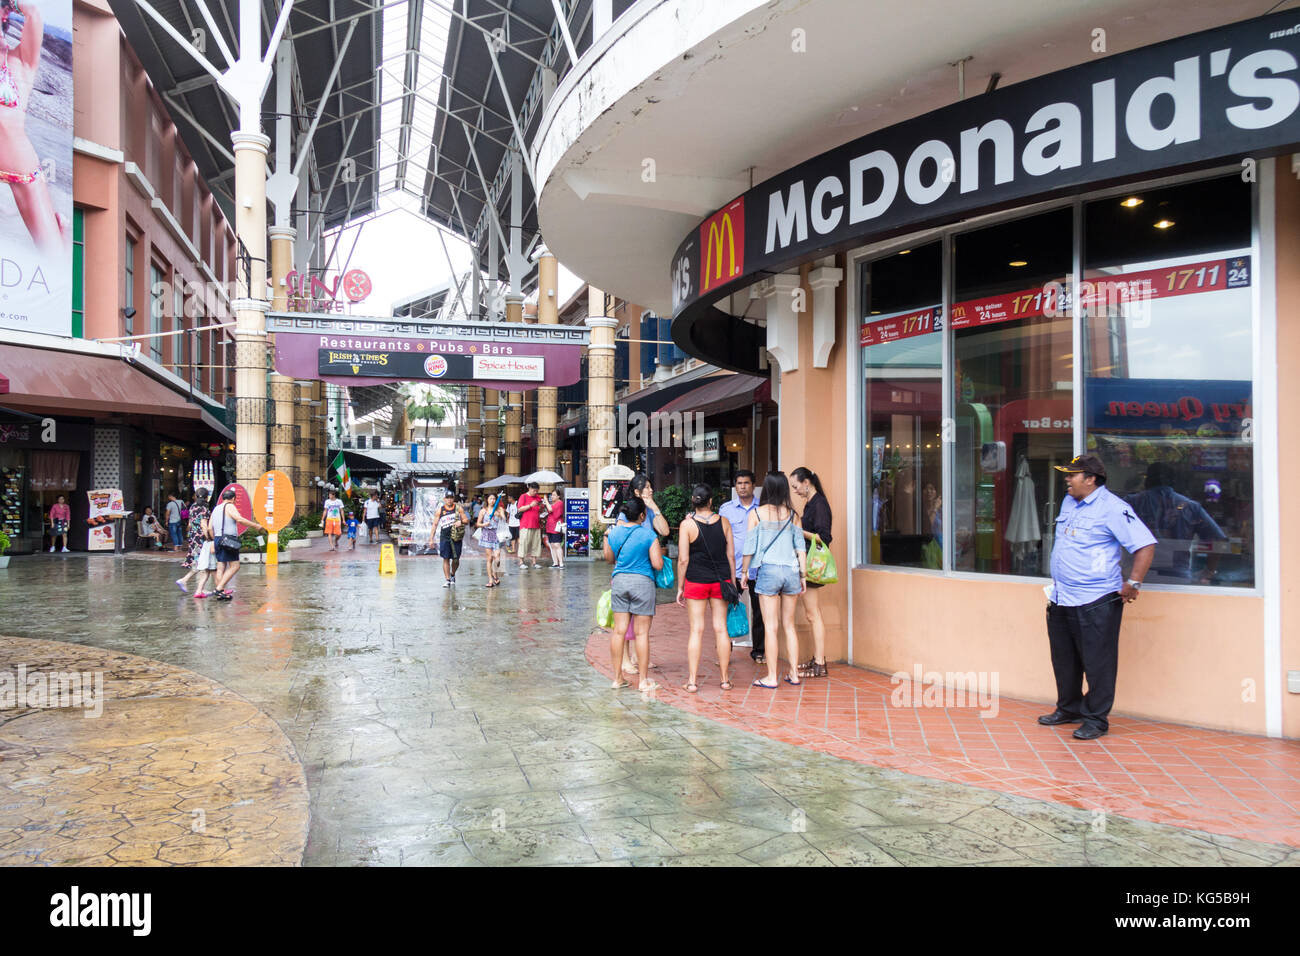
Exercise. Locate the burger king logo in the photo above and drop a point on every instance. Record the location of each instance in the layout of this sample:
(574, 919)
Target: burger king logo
(435, 366)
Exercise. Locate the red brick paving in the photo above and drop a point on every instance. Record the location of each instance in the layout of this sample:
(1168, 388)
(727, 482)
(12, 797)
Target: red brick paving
(1232, 784)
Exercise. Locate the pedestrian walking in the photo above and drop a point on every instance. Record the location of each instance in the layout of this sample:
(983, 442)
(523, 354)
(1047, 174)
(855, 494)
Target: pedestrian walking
(449, 526)
(815, 523)
(223, 528)
(1089, 593)
(737, 512)
(531, 508)
(332, 519)
(488, 524)
(373, 512)
(60, 520)
(633, 548)
(175, 524)
(351, 526)
(554, 522)
(775, 549)
(705, 560)
(196, 561)
(512, 513)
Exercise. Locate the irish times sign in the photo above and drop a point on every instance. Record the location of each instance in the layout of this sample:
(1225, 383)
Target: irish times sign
(1195, 101)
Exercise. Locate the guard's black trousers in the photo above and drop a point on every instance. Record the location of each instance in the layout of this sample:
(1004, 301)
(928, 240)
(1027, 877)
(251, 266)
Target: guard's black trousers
(1085, 642)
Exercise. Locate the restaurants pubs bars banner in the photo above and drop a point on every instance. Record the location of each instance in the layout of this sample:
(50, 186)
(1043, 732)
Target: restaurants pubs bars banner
(36, 175)
(1226, 95)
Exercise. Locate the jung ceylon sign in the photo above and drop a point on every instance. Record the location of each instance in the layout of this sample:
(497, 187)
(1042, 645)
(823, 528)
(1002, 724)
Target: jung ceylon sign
(356, 351)
(1208, 98)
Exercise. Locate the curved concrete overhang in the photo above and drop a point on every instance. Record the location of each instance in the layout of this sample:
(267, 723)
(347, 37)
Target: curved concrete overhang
(685, 104)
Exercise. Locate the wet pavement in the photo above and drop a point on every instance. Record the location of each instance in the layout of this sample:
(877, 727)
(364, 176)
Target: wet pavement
(464, 726)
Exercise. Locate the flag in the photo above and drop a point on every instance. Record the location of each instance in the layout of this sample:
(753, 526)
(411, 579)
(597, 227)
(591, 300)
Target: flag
(345, 479)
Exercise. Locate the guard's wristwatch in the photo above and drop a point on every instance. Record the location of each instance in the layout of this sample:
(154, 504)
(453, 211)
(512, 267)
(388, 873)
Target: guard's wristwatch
(1135, 584)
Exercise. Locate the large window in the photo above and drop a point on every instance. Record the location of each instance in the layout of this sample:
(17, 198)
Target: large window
(157, 306)
(902, 298)
(969, 374)
(1169, 360)
(129, 279)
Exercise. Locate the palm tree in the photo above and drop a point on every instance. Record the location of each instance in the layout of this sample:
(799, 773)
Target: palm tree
(427, 404)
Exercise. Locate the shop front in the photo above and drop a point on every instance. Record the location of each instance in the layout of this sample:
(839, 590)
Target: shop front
(1096, 261)
(41, 459)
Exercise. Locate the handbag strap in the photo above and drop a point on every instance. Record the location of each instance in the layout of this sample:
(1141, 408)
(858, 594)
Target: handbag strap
(788, 521)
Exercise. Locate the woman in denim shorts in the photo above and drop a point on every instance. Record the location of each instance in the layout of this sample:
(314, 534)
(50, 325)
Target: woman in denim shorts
(633, 548)
(774, 546)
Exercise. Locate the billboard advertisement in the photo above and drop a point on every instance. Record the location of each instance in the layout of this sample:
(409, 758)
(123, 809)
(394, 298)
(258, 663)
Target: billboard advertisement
(36, 166)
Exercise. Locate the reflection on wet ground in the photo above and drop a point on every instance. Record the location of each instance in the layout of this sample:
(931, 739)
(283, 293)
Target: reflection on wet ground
(464, 726)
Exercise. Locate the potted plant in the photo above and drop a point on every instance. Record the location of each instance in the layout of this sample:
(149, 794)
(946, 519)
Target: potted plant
(4, 548)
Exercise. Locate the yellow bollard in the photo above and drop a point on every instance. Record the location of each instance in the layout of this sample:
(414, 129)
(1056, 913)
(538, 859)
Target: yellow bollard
(387, 559)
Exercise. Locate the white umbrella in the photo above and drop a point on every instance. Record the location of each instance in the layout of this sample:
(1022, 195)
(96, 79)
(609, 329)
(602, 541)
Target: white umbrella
(501, 482)
(545, 478)
(1023, 528)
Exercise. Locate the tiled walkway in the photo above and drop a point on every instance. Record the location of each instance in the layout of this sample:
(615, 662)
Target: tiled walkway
(1231, 784)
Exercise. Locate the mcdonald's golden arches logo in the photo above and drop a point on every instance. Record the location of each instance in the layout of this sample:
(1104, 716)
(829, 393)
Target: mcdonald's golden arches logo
(722, 246)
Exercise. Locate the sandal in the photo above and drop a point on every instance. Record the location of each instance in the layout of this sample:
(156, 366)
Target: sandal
(760, 659)
(811, 668)
(725, 685)
(792, 683)
(620, 685)
(759, 683)
(691, 688)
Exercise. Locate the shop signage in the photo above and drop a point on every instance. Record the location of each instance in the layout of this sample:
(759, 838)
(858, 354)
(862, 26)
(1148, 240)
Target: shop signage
(342, 350)
(901, 325)
(273, 501)
(309, 293)
(1205, 408)
(36, 246)
(1213, 275)
(577, 521)
(705, 447)
(106, 507)
(1210, 97)
(47, 433)
(1050, 300)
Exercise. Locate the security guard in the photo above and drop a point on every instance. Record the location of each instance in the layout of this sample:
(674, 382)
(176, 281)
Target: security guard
(1089, 594)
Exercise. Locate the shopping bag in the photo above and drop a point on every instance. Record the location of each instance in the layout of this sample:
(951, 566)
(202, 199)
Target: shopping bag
(605, 610)
(821, 565)
(737, 621)
(664, 576)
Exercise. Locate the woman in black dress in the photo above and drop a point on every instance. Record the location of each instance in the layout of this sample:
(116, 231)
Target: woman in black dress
(816, 523)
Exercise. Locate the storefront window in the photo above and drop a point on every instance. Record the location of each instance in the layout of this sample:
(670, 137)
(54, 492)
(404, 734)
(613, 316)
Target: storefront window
(1012, 385)
(902, 348)
(1169, 371)
(157, 304)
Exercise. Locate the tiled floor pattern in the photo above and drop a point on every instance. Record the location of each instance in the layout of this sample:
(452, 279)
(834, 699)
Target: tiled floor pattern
(1233, 784)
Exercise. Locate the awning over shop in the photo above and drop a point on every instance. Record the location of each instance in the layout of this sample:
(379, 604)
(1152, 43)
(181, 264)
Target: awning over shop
(723, 394)
(89, 385)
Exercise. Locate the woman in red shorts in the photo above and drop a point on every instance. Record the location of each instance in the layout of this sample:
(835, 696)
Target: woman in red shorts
(705, 560)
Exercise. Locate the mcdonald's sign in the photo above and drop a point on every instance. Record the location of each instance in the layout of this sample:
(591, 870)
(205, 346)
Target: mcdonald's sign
(722, 246)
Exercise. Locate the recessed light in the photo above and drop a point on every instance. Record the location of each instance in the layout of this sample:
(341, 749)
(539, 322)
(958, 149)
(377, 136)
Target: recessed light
(904, 252)
(1017, 263)
(1164, 223)
(875, 311)
(1131, 202)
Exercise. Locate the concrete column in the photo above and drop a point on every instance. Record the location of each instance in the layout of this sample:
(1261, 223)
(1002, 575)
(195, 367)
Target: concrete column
(473, 439)
(548, 313)
(514, 400)
(491, 433)
(600, 391)
(285, 432)
(251, 405)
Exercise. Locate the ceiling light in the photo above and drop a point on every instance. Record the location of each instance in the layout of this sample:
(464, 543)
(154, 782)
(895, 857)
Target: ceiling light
(1017, 263)
(1131, 202)
(904, 252)
(1164, 224)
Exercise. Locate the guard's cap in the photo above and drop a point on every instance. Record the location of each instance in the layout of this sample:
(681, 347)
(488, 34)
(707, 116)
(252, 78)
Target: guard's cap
(1088, 464)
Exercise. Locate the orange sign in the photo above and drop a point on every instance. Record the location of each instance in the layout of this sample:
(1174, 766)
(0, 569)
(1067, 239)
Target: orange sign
(718, 245)
(273, 502)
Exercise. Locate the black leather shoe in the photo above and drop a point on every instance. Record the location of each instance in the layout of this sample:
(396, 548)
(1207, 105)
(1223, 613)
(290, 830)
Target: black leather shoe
(1088, 733)
(1057, 717)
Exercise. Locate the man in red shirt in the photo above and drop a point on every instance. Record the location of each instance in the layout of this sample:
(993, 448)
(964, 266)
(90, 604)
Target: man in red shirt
(530, 525)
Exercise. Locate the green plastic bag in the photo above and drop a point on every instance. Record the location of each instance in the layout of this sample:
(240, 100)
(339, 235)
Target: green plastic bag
(605, 610)
(821, 565)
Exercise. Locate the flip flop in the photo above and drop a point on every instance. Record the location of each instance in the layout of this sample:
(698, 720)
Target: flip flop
(759, 683)
(725, 685)
(620, 685)
(792, 683)
(691, 688)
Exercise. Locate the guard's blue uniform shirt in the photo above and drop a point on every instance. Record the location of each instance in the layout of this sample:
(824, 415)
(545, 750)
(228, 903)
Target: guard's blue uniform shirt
(1085, 555)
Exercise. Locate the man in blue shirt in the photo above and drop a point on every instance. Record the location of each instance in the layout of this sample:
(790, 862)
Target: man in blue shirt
(1089, 593)
(737, 511)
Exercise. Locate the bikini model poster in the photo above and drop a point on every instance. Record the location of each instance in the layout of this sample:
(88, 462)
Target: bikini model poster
(36, 165)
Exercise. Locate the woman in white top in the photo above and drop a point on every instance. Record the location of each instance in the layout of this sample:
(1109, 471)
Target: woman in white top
(512, 513)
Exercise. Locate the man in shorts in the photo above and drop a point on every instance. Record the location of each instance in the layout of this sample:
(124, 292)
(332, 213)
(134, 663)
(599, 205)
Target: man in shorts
(530, 525)
(372, 519)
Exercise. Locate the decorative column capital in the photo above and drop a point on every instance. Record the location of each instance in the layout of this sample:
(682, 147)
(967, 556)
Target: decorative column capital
(246, 140)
